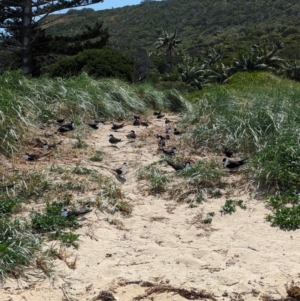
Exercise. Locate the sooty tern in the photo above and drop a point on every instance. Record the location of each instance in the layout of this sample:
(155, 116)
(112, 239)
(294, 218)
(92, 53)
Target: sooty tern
(176, 132)
(66, 127)
(160, 115)
(136, 122)
(178, 167)
(65, 212)
(113, 140)
(34, 157)
(116, 126)
(169, 131)
(170, 152)
(54, 145)
(94, 125)
(228, 152)
(232, 165)
(131, 135)
(156, 113)
(145, 123)
(167, 120)
(122, 170)
(161, 141)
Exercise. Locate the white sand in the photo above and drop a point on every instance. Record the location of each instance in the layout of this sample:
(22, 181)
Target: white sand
(163, 242)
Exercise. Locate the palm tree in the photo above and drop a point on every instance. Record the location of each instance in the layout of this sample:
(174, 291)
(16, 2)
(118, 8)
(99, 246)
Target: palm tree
(169, 42)
(261, 58)
(292, 71)
(192, 73)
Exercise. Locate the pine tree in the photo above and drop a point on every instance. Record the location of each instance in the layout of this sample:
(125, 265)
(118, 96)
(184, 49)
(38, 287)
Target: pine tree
(21, 20)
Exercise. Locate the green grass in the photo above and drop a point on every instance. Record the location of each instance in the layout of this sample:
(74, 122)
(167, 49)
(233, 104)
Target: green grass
(28, 102)
(18, 247)
(156, 179)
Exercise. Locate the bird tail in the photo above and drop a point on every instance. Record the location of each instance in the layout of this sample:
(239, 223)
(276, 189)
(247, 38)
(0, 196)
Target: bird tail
(43, 155)
(244, 160)
(170, 163)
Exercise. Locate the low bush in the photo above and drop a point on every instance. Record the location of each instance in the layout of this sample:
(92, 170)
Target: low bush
(104, 62)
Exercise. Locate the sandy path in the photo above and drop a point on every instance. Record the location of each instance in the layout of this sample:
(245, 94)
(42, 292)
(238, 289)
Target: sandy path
(238, 257)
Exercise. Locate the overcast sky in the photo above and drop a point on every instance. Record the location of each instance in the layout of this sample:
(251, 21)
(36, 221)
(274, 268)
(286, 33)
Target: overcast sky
(108, 4)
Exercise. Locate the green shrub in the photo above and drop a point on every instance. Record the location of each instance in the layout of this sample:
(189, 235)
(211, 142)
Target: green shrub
(230, 206)
(7, 205)
(52, 219)
(287, 218)
(105, 62)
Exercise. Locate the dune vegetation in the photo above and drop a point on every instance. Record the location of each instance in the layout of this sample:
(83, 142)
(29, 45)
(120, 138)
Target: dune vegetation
(256, 114)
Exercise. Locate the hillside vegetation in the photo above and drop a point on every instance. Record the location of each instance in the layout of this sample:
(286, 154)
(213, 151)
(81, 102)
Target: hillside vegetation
(201, 24)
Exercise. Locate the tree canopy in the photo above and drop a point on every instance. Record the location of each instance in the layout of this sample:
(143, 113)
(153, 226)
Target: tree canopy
(21, 21)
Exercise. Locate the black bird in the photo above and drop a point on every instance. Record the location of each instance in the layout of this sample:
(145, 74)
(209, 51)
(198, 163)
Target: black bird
(131, 135)
(228, 152)
(178, 167)
(167, 137)
(167, 120)
(65, 212)
(113, 140)
(160, 115)
(116, 126)
(168, 131)
(232, 165)
(156, 113)
(161, 141)
(54, 145)
(136, 117)
(145, 123)
(136, 122)
(34, 157)
(122, 170)
(176, 132)
(170, 152)
(94, 125)
(66, 127)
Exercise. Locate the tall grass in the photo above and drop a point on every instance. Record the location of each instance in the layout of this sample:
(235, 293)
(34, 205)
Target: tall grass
(18, 247)
(257, 114)
(27, 102)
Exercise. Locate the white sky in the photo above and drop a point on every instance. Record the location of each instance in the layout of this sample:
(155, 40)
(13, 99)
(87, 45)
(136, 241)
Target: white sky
(108, 4)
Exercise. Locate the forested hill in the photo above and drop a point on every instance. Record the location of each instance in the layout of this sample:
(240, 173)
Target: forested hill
(201, 24)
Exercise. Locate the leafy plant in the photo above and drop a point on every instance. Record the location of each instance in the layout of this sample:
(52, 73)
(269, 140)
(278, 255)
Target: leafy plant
(230, 206)
(67, 238)
(287, 218)
(52, 220)
(7, 206)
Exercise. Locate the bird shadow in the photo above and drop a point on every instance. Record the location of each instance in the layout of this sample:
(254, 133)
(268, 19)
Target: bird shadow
(120, 179)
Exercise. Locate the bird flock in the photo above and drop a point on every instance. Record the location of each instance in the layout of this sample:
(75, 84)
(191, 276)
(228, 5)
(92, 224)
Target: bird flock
(64, 127)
